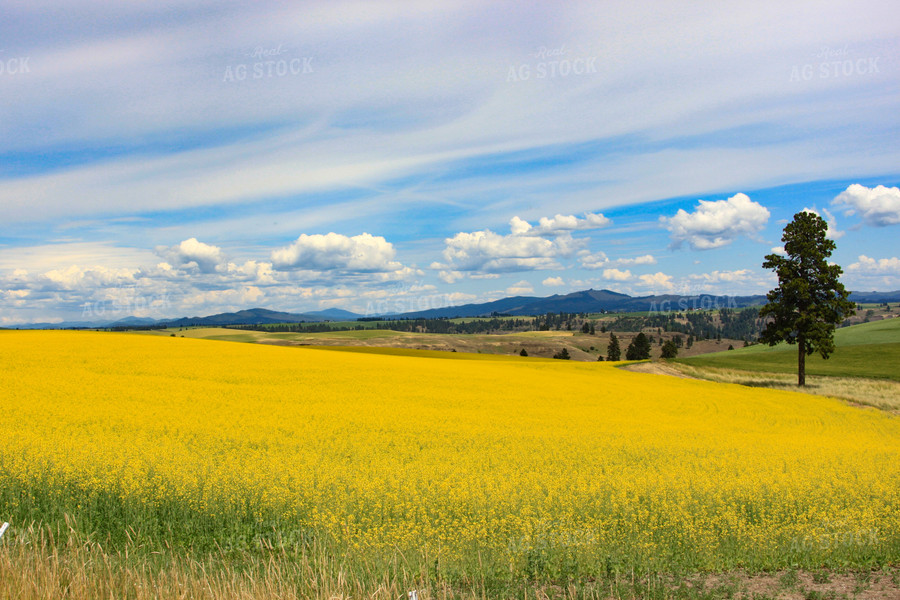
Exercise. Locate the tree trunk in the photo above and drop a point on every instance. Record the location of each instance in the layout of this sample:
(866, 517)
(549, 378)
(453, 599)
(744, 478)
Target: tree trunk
(801, 361)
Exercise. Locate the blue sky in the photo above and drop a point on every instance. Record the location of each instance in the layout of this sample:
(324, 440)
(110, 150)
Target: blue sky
(187, 158)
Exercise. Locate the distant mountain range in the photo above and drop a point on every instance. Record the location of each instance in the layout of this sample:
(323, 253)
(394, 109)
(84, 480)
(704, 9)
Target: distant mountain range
(253, 316)
(586, 301)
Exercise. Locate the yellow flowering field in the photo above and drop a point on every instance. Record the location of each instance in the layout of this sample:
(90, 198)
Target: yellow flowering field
(546, 469)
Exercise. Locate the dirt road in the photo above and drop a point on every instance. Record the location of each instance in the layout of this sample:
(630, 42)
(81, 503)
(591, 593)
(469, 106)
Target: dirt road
(657, 369)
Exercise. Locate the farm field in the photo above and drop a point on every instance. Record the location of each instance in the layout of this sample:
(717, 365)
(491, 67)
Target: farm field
(581, 347)
(136, 460)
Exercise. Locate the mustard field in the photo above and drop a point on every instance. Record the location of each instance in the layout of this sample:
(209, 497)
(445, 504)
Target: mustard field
(511, 468)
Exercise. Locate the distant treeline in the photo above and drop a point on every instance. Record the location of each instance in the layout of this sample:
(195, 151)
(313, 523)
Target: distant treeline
(742, 324)
(738, 324)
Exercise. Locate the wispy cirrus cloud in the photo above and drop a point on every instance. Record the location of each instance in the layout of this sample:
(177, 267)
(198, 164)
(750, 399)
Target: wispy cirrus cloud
(401, 121)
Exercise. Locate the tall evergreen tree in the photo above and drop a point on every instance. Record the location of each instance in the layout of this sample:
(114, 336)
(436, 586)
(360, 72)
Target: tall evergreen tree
(613, 352)
(669, 350)
(639, 348)
(809, 300)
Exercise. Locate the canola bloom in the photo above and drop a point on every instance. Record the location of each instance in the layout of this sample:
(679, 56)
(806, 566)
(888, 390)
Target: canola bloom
(536, 464)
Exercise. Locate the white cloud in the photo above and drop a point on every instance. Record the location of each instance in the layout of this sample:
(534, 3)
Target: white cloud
(362, 253)
(456, 298)
(779, 250)
(716, 223)
(558, 225)
(194, 278)
(878, 206)
(597, 260)
(75, 277)
(520, 288)
(553, 282)
(657, 280)
(260, 272)
(646, 259)
(488, 253)
(192, 253)
(616, 275)
(871, 273)
(519, 226)
(229, 299)
(738, 281)
(450, 276)
(723, 276)
(883, 266)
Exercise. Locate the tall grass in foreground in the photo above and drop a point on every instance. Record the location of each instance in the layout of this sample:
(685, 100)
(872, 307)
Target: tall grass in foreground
(47, 563)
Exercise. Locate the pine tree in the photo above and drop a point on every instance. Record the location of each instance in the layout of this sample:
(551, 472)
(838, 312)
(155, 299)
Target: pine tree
(669, 350)
(562, 354)
(613, 352)
(639, 348)
(809, 300)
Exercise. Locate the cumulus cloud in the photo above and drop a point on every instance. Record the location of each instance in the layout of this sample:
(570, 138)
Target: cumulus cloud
(657, 280)
(616, 275)
(486, 252)
(362, 253)
(553, 282)
(448, 276)
(230, 299)
(593, 261)
(599, 260)
(75, 277)
(193, 278)
(883, 266)
(559, 224)
(260, 272)
(520, 288)
(716, 223)
(646, 259)
(193, 253)
(878, 206)
(873, 273)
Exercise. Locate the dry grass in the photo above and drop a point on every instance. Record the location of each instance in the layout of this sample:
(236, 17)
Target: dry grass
(41, 564)
(879, 393)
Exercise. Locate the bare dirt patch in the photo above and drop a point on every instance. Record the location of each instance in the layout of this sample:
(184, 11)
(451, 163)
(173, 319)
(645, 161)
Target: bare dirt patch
(806, 585)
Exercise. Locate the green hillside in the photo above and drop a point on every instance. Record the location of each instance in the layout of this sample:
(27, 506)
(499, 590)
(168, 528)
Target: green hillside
(865, 350)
